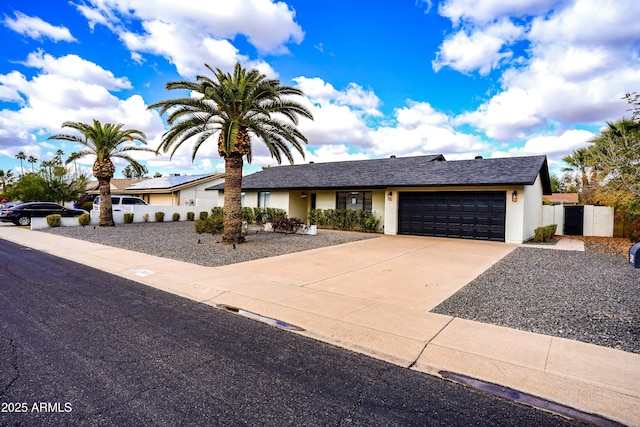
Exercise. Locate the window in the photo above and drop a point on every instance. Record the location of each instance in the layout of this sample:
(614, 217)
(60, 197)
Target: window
(354, 200)
(264, 198)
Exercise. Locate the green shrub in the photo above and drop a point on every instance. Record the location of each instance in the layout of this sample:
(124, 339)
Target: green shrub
(203, 215)
(249, 215)
(128, 217)
(545, 234)
(344, 219)
(287, 225)
(176, 216)
(190, 216)
(87, 206)
(54, 220)
(84, 219)
(159, 216)
(212, 224)
(216, 211)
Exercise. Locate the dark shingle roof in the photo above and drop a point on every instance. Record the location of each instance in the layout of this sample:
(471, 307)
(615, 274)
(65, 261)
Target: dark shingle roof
(418, 171)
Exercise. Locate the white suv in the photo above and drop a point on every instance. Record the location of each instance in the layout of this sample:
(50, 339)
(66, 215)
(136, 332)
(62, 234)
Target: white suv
(120, 203)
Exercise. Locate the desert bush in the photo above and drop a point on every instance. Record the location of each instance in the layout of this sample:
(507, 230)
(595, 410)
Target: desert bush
(128, 217)
(203, 215)
(191, 216)
(84, 219)
(287, 225)
(54, 220)
(159, 216)
(145, 217)
(216, 211)
(212, 224)
(176, 216)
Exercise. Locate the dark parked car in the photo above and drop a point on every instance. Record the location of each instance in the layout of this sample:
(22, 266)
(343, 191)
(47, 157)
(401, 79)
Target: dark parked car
(22, 214)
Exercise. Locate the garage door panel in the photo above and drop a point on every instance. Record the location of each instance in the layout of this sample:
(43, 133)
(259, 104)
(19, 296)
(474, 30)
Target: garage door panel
(460, 214)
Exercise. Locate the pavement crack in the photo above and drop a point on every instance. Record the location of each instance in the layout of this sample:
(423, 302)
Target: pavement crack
(348, 418)
(13, 362)
(429, 342)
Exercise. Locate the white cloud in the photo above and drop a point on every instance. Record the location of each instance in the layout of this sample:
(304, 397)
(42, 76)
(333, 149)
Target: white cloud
(478, 49)
(422, 130)
(554, 146)
(68, 89)
(484, 11)
(192, 33)
(37, 29)
(582, 57)
(76, 68)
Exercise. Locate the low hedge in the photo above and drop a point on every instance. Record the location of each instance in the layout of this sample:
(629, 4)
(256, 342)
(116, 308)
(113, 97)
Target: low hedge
(344, 219)
(128, 217)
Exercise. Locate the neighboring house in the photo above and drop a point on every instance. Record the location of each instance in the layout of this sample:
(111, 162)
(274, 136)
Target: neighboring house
(179, 190)
(118, 186)
(563, 198)
(485, 199)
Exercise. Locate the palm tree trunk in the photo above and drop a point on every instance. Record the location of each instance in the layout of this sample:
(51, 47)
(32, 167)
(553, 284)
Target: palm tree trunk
(106, 212)
(232, 210)
(103, 171)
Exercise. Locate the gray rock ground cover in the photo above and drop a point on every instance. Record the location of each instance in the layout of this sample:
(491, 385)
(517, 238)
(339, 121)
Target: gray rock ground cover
(179, 241)
(584, 296)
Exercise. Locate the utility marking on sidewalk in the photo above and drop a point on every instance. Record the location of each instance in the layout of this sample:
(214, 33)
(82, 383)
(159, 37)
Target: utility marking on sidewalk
(260, 318)
(142, 272)
(531, 400)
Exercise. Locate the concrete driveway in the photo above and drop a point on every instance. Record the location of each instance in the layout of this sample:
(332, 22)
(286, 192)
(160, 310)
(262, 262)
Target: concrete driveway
(412, 272)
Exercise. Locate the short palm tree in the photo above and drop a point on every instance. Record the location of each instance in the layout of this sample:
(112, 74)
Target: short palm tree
(236, 107)
(105, 142)
(6, 178)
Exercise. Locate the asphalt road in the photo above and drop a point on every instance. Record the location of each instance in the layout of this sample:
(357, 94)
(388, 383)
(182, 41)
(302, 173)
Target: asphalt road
(82, 347)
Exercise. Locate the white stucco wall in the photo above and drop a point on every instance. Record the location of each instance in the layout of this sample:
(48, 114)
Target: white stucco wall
(598, 221)
(532, 208)
(198, 194)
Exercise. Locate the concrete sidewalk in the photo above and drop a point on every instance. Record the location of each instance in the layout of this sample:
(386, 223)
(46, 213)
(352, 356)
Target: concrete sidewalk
(374, 296)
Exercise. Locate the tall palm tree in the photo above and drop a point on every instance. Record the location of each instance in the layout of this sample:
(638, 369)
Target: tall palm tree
(21, 156)
(236, 107)
(33, 162)
(105, 142)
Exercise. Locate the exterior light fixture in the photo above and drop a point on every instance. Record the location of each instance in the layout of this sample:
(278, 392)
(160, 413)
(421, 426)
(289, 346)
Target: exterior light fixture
(514, 196)
(303, 196)
(390, 195)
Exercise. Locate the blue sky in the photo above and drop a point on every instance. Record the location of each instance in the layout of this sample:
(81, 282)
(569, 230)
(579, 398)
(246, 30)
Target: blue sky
(409, 77)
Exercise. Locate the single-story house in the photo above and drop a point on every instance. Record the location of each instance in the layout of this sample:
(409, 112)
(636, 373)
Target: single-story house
(179, 190)
(117, 185)
(486, 199)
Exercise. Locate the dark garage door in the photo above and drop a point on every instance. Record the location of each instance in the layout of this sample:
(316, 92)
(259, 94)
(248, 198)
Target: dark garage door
(461, 214)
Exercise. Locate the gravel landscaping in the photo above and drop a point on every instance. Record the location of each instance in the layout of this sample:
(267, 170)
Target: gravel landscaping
(178, 240)
(591, 296)
(585, 296)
